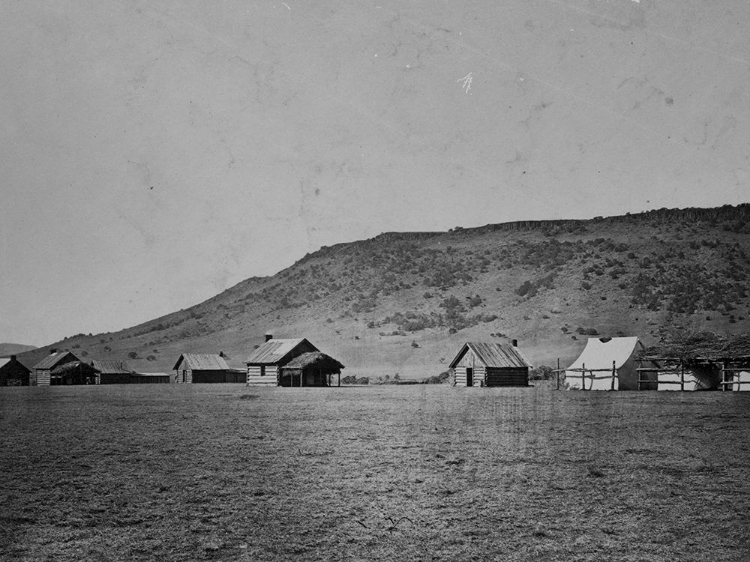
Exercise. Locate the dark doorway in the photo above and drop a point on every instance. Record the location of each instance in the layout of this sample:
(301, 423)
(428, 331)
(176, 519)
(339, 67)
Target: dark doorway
(469, 376)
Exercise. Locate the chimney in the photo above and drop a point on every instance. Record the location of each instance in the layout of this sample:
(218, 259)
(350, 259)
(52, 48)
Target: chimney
(269, 336)
(53, 351)
(13, 358)
(514, 343)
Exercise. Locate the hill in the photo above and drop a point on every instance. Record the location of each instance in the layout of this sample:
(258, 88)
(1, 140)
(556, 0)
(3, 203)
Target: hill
(405, 302)
(8, 349)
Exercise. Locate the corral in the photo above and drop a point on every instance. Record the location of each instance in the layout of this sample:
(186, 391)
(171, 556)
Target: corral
(229, 472)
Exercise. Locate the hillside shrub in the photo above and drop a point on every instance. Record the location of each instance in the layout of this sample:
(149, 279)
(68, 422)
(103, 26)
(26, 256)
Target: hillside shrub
(541, 373)
(442, 378)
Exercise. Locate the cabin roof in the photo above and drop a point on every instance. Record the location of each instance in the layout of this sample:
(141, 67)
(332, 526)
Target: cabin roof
(275, 350)
(111, 367)
(202, 362)
(499, 355)
(54, 359)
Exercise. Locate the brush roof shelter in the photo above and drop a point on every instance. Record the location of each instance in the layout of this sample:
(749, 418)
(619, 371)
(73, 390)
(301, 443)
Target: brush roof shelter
(490, 364)
(13, 372)
(73, 373)
(310, 369)
(606, 364)
(42, 372)
(201, 368)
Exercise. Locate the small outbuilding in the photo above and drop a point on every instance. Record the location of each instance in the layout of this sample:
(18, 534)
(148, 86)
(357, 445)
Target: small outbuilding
(152, 378)
(490, 364)
(290, 362)
(201, 368)
(13, 372)
(112, 372)
(42, 372)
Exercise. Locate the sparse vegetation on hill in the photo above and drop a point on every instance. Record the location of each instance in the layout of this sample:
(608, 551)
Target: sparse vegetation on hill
(549, 284)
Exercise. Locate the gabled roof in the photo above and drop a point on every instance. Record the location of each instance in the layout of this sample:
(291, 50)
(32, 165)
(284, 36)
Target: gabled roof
(499, 355)
(4, 361)
(110, 367)
(54, 359)
(275, 350)
(202, 362)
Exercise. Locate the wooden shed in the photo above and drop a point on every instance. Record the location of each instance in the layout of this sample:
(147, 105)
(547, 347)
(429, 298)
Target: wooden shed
(42, 372)
(310, 369)
(266, 364)
(201, 368)
(13, 372)
(490, 364)
(112, 372)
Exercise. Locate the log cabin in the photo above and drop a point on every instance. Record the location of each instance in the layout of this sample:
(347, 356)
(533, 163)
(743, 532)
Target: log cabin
(490, 364)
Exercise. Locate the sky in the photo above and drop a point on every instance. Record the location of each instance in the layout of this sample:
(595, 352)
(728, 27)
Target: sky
(155, 153)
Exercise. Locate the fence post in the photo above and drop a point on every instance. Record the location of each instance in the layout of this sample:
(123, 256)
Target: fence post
(583, 376)
(558, 374)
(614, 371)
(682, 376)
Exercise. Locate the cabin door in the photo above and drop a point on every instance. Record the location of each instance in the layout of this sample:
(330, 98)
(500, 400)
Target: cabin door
(469, 376)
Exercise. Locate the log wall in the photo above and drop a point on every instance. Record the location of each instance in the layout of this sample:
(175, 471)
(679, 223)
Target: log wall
(269, 378)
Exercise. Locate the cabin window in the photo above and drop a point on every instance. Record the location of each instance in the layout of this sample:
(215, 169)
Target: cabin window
(262, 370)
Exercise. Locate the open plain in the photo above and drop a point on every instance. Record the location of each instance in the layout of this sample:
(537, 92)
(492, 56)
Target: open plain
(228, 472)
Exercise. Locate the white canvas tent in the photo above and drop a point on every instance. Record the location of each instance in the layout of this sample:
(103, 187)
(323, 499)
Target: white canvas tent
(741, 381)
(605, 364)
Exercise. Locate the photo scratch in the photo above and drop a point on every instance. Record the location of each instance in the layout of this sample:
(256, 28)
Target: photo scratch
(466, 82)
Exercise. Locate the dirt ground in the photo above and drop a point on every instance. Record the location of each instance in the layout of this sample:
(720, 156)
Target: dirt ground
(227, 472)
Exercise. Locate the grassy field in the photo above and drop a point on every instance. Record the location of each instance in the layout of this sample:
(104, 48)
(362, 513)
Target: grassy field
(226, 472)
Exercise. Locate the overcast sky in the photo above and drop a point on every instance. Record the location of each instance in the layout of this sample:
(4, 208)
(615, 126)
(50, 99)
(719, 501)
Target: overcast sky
(155, 153)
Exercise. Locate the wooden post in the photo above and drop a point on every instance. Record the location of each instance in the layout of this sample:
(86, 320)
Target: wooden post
(558, 374)
(583, 376)
(724, 376)
(682, 376)
(339, 378)
(614, 374)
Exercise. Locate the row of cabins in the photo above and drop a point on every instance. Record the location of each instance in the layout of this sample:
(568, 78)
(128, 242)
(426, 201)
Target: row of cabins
(277, 362)
(292, 362)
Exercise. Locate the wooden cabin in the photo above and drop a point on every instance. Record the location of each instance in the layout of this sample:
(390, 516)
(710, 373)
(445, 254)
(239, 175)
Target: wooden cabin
(112, 372)
(13, 372)
(201, 368)
(290, 362)
(490, 364)
(42, 372)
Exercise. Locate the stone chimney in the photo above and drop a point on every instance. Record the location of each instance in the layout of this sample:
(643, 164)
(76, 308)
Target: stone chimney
(514, 343)
(13, 358)
(269, 336)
